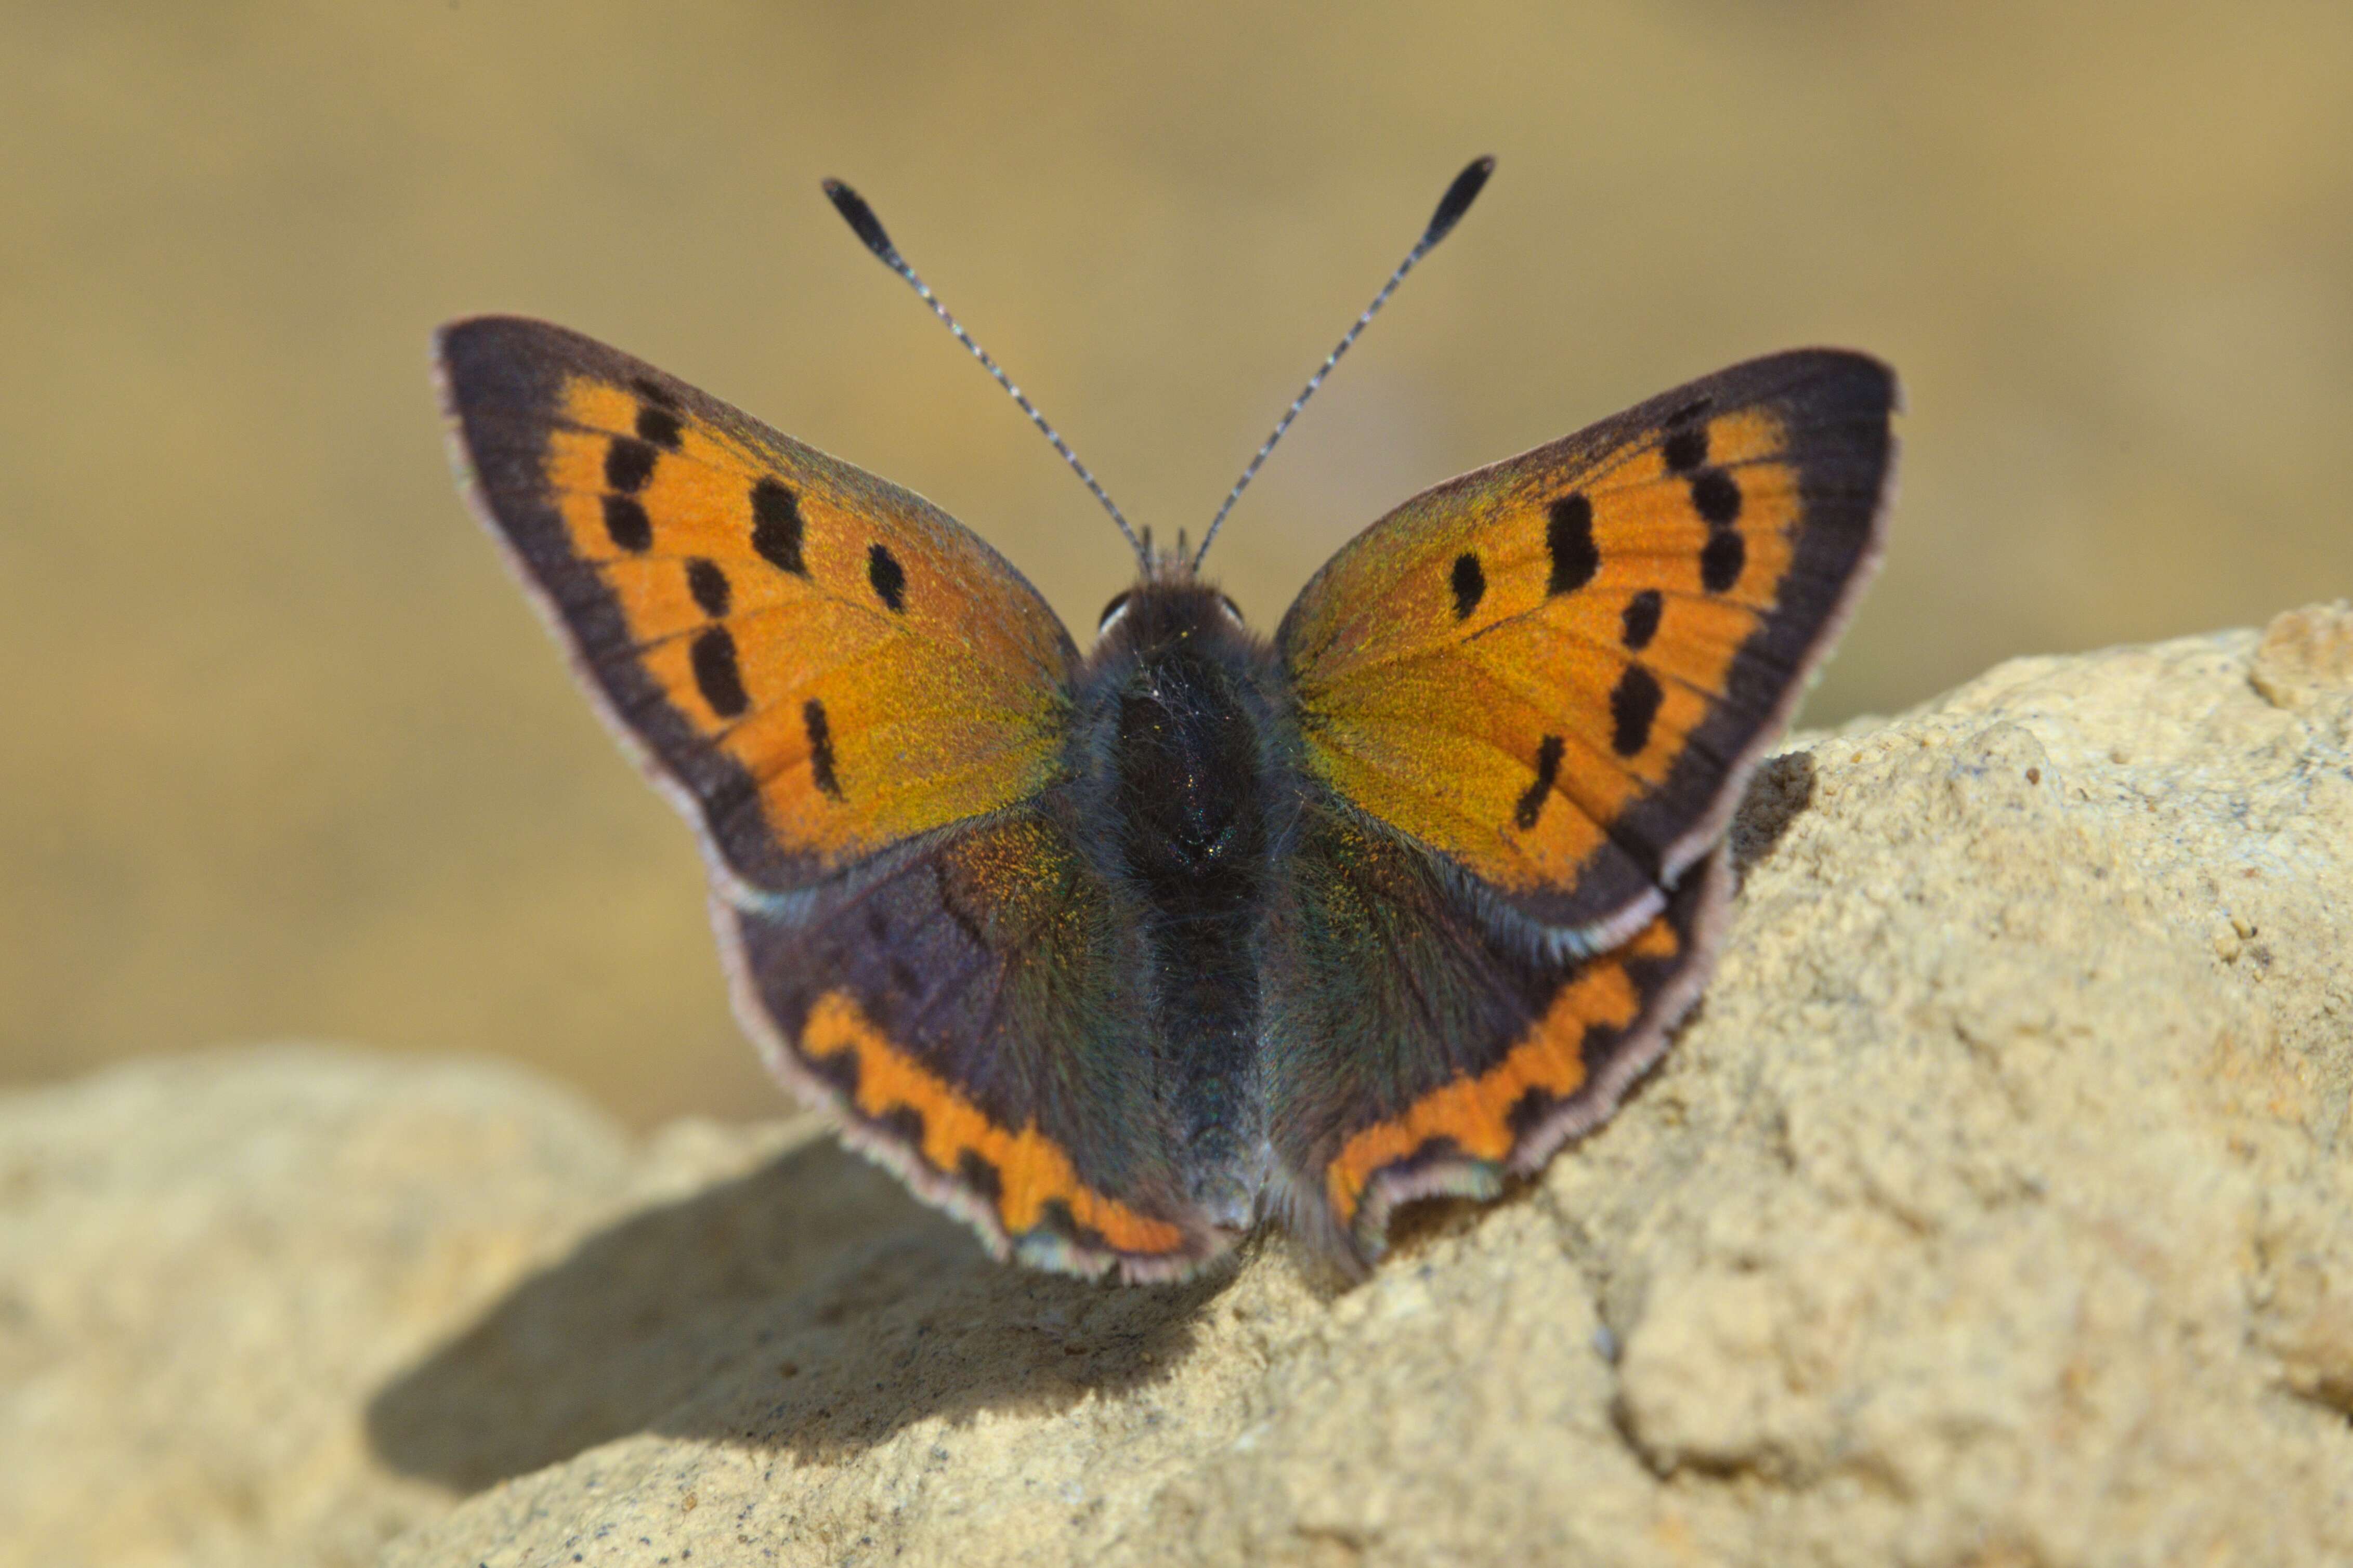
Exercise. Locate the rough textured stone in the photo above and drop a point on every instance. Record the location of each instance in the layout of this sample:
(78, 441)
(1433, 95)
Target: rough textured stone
(209, 1263)
(1996, 1208)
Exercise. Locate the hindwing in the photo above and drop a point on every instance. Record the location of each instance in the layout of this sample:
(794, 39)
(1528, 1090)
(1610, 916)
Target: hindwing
(974, 1008)
(1421, 1047)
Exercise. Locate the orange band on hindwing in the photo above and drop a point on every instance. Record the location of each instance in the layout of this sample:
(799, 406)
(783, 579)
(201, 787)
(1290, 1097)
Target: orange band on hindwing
(1477, 1114)
(1032, 1172)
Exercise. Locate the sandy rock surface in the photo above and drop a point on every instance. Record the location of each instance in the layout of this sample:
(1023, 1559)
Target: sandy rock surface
(1996, 1208)
(210, 1264)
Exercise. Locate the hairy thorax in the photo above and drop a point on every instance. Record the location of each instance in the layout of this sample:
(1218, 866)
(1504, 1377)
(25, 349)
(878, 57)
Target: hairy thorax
(1187, 792)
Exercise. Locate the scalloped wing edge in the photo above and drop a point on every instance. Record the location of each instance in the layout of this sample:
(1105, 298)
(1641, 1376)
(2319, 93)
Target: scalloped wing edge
(1052, 1253)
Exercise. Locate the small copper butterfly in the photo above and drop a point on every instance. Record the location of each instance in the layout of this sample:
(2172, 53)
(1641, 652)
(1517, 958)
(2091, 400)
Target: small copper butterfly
(1117, 955)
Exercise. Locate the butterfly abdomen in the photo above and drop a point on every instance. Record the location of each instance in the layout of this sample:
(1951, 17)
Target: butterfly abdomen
(1175, 707)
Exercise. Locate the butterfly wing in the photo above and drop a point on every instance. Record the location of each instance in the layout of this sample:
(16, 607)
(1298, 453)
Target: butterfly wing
(1422, 1050)
(864, 709)
(814, 663)
(1557, 671)
(971, 1007)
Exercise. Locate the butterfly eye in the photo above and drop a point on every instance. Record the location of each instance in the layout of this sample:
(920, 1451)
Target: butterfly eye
(1113, 611)
(1233, 609)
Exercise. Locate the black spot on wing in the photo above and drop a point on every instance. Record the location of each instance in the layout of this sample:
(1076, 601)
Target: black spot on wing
(1641, 621)
(1528, 1111)
(776, 527)
(977, 1172)
(1470, 584)
(1634, 704)
(841, 1070)
(1055, 1219)
(715, 673)
(1685, 449)
(1569, 535)
(1597, 1046)
(887, 576)
(627, 525)
(628, 464)
(660, 427)
(1532, 803)
(820, 742)
(709, 586)
(1716, 495)
(653, 391)
(904, 1124)
(1721, 560)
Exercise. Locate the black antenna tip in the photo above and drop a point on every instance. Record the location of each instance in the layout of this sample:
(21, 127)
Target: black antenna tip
(1452, 204)
(868, 229)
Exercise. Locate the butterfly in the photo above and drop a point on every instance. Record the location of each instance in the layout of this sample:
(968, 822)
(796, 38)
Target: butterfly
(1117, 955)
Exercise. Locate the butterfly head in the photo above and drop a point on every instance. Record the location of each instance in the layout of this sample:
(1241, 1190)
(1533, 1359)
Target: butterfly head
(1168, 605)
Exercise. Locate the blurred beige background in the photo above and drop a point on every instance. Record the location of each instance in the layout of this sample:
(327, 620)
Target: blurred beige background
(285, 754)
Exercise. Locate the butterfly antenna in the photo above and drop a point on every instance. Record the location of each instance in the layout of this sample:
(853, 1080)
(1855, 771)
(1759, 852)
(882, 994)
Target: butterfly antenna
(1450, 208)
(869, 229)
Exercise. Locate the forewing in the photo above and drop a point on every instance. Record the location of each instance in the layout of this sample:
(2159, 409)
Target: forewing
(1557, 671)
(972, 1008)
(817, 663)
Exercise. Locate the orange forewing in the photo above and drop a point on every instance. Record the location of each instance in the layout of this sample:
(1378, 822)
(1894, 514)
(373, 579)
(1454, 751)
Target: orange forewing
(1508, 664)
(1526, 662)
(869, 668)
(934, 713)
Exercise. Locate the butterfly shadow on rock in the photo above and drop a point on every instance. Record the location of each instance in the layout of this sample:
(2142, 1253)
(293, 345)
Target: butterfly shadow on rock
(1779, 792)
(812, 1306)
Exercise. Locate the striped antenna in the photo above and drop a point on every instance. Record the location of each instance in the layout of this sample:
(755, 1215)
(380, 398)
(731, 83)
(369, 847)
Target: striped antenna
(1450, 208)
(869, 229)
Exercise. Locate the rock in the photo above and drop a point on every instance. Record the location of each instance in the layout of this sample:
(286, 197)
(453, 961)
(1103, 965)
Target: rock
(209, 1263)
(2305, 659)
(1995, 1207)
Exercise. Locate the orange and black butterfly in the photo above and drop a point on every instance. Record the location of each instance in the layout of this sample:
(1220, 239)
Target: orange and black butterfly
(1117, 955)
